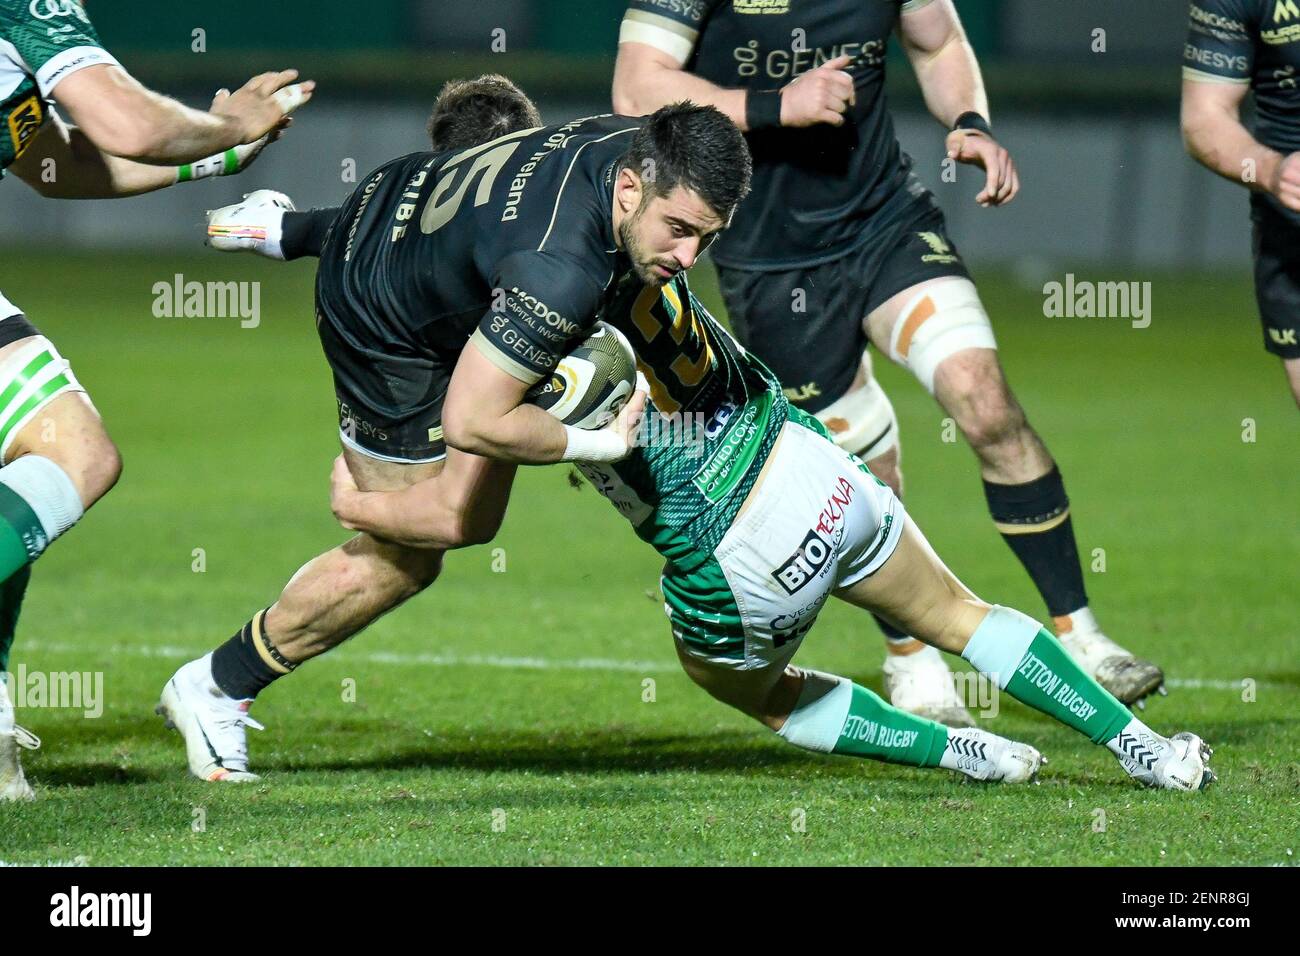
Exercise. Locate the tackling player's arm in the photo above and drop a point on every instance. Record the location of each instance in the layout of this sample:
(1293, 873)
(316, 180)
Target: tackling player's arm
(124, 118)
(1218, 64)
(950, 79)
(654, 47)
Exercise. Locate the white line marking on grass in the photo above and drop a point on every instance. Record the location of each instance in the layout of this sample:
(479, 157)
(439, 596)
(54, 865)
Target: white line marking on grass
(521, 663)
(391, 657)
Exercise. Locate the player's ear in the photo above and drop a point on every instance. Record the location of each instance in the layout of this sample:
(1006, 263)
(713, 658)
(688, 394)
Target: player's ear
(627, 190)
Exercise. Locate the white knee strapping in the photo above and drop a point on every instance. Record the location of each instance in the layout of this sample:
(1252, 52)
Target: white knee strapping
(30, 378)
(862, 421)
(938, 322)
(816, 724)
(999, 643)
(48, 491)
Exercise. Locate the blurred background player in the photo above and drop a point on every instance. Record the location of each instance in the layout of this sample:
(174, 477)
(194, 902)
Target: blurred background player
(56, 459)
(1234, 47)
(840, 243)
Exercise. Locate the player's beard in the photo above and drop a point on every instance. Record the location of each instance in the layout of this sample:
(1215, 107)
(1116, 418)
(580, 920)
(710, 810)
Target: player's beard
(643, 263)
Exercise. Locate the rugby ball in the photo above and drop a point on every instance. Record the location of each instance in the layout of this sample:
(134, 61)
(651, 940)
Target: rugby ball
(591, 383)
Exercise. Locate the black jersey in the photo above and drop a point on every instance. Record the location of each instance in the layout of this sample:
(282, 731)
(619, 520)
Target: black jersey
(1255, 42)
(817, 191)
(512, 243)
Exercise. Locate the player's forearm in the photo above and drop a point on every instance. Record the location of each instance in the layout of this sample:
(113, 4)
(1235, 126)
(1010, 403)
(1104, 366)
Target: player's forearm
(644, 88)
(181, 135)
(64, 164)
(951, 81)
(133, 122)
(525, 435)
(420, 516)
(1218, 141)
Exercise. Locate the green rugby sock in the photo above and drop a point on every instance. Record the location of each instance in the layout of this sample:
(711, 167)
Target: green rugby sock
(1033, 667)
(834, 715)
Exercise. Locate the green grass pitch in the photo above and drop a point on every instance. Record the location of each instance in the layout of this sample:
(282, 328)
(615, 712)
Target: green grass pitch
(502, 717)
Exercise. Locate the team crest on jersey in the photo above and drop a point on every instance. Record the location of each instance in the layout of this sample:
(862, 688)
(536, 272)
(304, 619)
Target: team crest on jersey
(942, 251)
(25, 119)
(760, 6)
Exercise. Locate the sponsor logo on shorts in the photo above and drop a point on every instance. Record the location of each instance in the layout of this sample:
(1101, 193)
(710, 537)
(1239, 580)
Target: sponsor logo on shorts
(352, 425)
(810, 559)
(836, 506)
(1283, 336)
(803, 392)
(942, 253)
(795, 624)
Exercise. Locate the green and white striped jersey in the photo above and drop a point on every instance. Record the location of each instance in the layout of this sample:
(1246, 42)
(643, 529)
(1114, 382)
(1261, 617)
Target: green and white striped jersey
(42, 42)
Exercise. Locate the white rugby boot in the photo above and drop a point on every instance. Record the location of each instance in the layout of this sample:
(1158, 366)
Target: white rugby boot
(13, 785)
(984, 756)
(1129, 678)
(921, 684)
(213, 724)
(252, 225)
(1180, 762)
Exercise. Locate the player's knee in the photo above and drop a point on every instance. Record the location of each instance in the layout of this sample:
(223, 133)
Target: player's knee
(862, 421)
(102, 470)
(939, 322)
(975, 392)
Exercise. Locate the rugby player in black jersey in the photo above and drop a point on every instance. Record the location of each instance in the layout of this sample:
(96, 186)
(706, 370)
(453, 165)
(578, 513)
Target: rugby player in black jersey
(1235, 47)
(434, 251)
(839, 244)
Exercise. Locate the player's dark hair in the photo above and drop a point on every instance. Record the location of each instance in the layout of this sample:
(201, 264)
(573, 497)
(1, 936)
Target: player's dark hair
(694, 146)
(469, 112)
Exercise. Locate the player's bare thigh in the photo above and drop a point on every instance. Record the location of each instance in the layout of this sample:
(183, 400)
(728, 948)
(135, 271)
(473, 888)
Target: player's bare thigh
(69, 432)
(915, 590)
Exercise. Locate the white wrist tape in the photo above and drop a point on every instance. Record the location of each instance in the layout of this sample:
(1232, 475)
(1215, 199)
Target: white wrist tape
(219, 164)
(602, 445)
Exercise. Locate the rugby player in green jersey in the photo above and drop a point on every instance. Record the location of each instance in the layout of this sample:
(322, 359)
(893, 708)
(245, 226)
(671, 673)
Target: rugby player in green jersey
(119, 139)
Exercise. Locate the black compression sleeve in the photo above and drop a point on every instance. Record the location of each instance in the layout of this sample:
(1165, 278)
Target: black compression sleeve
(304, 233)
